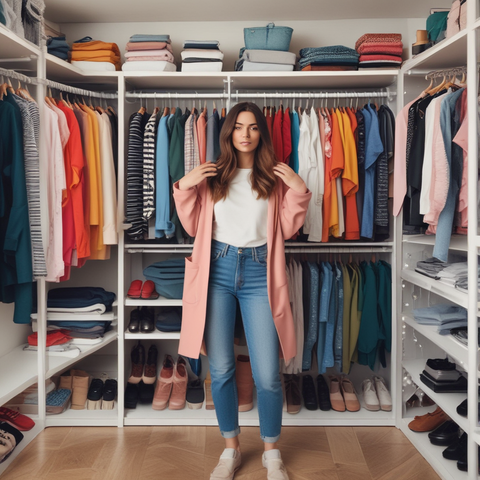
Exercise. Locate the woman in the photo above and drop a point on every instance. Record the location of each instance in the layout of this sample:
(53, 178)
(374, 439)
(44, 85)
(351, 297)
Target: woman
(240, 210)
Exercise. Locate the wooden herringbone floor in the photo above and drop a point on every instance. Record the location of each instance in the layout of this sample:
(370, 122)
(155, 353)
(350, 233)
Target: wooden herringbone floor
(190, 453)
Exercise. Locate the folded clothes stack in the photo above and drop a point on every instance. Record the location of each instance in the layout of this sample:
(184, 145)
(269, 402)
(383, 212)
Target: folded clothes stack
(380, 50)
(335, 57)
(58, 46)
(168, 277)
(445, 317)
(146, 52)
(441, 376)
(265, 60)
(202, 56)
(95, 55)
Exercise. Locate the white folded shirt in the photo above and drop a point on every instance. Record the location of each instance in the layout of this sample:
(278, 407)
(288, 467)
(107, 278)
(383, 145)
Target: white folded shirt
(270, 56)
(95, 66)
(202, 67)
(145, 66)
(201, 53)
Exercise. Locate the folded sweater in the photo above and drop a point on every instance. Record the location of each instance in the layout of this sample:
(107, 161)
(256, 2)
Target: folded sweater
(161, 54)
(378, 37)
(97, 56)
(134, 46)
(202, 53)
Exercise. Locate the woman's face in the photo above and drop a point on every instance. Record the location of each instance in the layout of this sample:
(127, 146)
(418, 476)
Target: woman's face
(246, 134)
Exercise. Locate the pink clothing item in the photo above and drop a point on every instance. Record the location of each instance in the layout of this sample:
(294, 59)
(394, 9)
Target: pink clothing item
(286, 213)
(379, 57)
(374, 47)
(150, 55)
(134, 46)
(378, 38)
(400, 165)
(461, 139)
(202, 137)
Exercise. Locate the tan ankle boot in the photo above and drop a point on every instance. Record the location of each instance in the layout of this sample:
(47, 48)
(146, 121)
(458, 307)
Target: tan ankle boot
(65, 381)
(80, 382)
(243, 375)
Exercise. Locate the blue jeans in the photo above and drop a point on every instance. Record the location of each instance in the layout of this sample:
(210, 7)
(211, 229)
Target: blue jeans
(241, 273)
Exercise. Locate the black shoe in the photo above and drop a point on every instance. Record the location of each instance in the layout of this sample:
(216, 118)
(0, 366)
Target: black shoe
(110, 390)
(134, 325)
(147, 322)
(323, 394)
(131, 395)
(309, 395)
(444, 435)
(462, 464)
(457, 450)
(145, 392)
(95, 392)
(195, 394)
(462, 409)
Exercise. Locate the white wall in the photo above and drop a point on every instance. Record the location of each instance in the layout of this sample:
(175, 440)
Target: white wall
(230, 34)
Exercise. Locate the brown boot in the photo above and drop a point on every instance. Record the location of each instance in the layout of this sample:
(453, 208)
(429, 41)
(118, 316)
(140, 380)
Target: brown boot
(80, 383)
(244, 378)
(65, 381)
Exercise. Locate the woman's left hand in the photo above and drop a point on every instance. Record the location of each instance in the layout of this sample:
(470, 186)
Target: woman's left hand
(289, 177)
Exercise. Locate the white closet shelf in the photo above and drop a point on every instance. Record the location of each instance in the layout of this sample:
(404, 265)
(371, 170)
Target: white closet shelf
(476, 437)
(12, 46)
(434, 286)
(160, 301)
(457, 242)
(476, 25)
(156, 335)
(64, 72)
(447, 401)
(57, 363)
(175, 80)
(447, 469)
(27, 438)
(18, 371)
(446, 342)
(145, 415)
(84, 418)
(451, 52)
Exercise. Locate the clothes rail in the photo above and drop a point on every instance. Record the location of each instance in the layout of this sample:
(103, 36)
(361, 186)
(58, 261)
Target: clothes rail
(439, 73)
(174, 96)
(17, 76)
(352, 249)
(313, 95)
(74, 90)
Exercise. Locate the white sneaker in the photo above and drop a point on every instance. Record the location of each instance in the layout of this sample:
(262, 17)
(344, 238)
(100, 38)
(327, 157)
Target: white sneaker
(276, 468)
(370, 395)
(383, 394)
(228, 464)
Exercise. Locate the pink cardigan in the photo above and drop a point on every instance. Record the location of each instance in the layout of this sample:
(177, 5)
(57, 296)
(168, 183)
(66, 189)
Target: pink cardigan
(286, 214)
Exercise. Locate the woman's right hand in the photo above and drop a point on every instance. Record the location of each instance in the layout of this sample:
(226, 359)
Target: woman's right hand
(197, 175)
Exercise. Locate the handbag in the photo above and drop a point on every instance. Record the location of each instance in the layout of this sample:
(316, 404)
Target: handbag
(268, 38)
(457, 18)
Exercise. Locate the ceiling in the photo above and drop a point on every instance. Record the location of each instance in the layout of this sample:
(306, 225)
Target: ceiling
(110, 11)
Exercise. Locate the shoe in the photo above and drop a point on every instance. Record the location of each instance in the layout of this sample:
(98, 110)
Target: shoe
(150, 370)
(292, 392)
(80, 381)
(179, 389)
(349, 395)
(462, 464)
(370, 398)
(138, 362)
(16, 419)
(244, 379)
(195, 365)
(429, 421)
(323, 394)
(275, 468)
(135, 289)
(384, 395)
(445, 434)
(131, 395)
(309, 395)
(462, 409)
(65, 381)
(148, 291)
(95, 394)
(164, 384)
(134, 325)
(146, 393)
(457, 450)
(336, 397)
(110, 389)
(147, 320)
(10, 437)
(208, 392)
(195, 394)
(229, 463)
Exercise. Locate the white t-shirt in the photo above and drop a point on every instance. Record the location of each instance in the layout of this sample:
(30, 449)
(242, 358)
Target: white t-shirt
(241, 220)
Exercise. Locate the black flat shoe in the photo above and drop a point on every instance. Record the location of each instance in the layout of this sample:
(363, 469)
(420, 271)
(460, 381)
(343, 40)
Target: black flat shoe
(445, 434)
(457, 450)
(131, 396)
(323, 394)
(147, 322)
(308, 391)
(134, 325)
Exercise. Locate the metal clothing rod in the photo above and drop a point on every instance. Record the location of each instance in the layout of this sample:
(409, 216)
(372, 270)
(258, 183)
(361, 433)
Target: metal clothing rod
(352, 249)
(17, 76)
(75, 90)
(174, 96)
(314, 95)
(439, 73)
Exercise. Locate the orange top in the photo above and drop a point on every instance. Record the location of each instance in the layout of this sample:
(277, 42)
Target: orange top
(327, 195)
(97, 56)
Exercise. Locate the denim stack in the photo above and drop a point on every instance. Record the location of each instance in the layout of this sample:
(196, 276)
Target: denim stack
(146, 52)
(202, 56)
(168, 277)
(444, 317)
(58, 46)
(335, 57)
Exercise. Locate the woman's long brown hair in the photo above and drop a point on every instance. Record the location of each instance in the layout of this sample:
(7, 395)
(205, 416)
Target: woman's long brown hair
(263, 179)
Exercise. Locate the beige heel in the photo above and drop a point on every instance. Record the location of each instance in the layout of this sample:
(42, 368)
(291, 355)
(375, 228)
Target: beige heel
(95, 405)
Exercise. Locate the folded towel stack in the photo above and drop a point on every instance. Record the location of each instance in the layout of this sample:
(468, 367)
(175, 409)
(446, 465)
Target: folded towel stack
(335, 57)
(149, 53)
(58, 46)
(380, 50)
(202, 56)
(89, 54)
(265, 60)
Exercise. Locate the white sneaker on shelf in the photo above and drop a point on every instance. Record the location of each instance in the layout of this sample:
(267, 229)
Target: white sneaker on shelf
(228, 464)
(370, 395)
(273, 462)
(383, 393)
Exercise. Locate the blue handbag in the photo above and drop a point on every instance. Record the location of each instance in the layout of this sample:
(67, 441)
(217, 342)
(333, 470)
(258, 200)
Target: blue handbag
(268, 38)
